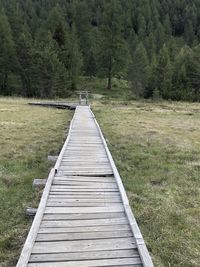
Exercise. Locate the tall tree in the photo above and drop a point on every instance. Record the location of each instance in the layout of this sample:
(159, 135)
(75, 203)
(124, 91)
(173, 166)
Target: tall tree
(139, 70)
(24, 46)
(57, 26)
(7, 53)
(84, 34)
(74, 59)
(164, 73)
(113, 49)
(189, 33)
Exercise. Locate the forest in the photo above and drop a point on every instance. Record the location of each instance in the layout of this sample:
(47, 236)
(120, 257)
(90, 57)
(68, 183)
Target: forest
(46, 45)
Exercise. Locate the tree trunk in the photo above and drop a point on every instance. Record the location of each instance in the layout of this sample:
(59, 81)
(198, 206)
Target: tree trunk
(109, 87)
(5, 86)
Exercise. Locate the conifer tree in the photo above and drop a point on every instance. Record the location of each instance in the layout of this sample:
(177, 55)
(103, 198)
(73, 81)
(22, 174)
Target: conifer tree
(57, 26)
(113, 49)
(152, 81)
(141, 27)
(189, 34)
(139, 70)
(74, 59)
(167, 25)
(164, 73)
(84, 35)
(24, 46)
(7, 53)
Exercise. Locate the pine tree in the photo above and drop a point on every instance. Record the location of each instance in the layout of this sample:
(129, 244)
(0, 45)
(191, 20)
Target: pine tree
(112, 48)
(150, 44)
(24, 47)
(139, 70)
(84, 35)
(45, 67)
(74, 59)
(167, 25)
(181, 87)
(133, 42)
(164, 73)
(193, 71)
(57, 26)
(152, 81)
(189, 33)
(7, 53)
(141, 27)
(159, 34)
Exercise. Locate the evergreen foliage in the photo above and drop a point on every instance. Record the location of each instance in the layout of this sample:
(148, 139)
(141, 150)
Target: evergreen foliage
(139, 70)
(46, 45)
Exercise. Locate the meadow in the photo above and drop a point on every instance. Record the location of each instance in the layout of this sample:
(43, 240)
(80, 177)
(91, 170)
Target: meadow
(27, 136)
(156, 147)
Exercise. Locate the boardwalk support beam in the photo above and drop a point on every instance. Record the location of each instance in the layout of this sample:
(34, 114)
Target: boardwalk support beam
(39, 183)
(31, 212)
(52, 158)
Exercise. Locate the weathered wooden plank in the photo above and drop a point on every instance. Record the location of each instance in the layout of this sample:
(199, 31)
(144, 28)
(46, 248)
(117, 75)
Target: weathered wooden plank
(52, 158)
(83, 216)
(31, 212)
(89, 195)
(86, 200)
(82, 204)
(85, 160)
(50, 210)
(92, 173)
(79, 189)
(97, 182)
(134, 262)
(89, 164)
(39, 182)
(83, 236)
(83, 245)
(86, 193)
(90, 170)
(83, 186)
(126, 253)
(84, 179)
(85, 229)
(76, 223)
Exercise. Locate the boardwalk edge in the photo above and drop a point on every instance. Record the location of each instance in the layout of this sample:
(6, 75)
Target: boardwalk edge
(143, 251)
(28, 245)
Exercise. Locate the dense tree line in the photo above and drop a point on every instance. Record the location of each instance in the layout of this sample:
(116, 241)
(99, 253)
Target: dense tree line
(45, 45)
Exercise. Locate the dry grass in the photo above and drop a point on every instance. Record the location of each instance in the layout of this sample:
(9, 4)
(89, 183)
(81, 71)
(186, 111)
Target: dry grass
(156, 147)
(28, 134)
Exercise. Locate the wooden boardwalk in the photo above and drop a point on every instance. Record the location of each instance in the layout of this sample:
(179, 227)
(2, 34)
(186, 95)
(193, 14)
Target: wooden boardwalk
(84, 217)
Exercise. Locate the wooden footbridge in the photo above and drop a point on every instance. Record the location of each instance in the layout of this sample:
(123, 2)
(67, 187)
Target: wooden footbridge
(84, 218)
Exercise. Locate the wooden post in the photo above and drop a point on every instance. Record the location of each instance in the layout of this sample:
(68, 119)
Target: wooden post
(83, 97)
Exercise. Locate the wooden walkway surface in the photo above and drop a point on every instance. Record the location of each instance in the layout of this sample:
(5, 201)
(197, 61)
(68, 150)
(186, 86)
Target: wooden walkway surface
(84, 217)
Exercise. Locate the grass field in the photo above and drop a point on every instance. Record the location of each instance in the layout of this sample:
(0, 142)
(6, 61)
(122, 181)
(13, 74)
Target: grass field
(156, 147)
(27, 135)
